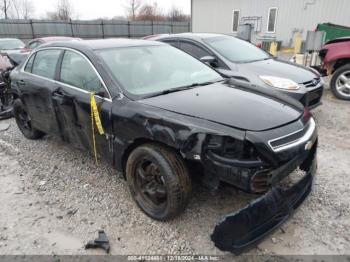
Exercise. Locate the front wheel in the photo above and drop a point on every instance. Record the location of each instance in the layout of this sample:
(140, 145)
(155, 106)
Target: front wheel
(23, 121)
(340, 83)
(158, 180)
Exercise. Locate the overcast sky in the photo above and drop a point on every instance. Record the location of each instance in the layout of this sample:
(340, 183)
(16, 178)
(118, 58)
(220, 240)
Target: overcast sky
(92, 9)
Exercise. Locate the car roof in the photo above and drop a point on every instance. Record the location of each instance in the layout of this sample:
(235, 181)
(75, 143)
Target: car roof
(6, 39)
(55, 38)
(103, 43)
(194, 36)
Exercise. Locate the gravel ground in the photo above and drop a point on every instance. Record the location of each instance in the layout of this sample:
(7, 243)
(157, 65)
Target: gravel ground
(54, 199)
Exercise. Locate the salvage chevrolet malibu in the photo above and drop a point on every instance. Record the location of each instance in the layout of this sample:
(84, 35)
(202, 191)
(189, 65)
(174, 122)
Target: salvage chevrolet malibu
(155, 113)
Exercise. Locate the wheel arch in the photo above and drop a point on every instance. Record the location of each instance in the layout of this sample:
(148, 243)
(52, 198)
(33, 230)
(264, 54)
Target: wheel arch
(136, 143)
(339, 63)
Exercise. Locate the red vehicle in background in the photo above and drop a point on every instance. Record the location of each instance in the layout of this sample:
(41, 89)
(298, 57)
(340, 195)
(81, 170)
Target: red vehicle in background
(43, 40)
(335, 56)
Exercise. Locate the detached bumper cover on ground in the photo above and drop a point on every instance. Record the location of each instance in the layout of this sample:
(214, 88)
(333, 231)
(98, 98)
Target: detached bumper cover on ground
(246, 227)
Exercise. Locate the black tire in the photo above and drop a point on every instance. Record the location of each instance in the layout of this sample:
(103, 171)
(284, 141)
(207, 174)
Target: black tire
(163, 169)
(23, 121)
(336, 80)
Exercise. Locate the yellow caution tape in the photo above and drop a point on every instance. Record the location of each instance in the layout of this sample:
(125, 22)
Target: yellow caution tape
(95, 119)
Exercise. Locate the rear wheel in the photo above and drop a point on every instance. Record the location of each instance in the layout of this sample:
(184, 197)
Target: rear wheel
(340, 83)
(158, 180)
(23, 121)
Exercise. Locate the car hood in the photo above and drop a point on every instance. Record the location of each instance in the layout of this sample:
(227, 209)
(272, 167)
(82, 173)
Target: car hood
(228, 105)
(275, 67)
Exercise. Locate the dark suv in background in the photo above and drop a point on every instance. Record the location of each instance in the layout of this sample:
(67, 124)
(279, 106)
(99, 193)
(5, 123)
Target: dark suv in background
(233, 57)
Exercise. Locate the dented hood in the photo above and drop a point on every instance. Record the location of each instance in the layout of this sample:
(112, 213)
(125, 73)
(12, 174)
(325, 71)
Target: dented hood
(227, 105)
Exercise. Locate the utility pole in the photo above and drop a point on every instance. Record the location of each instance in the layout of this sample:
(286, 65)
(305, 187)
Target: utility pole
(5, 8)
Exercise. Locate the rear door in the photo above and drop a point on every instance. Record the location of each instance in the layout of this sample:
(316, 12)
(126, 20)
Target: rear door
(37, 84)
(77, 79)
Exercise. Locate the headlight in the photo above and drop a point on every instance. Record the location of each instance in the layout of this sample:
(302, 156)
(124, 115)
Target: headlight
(278, 82)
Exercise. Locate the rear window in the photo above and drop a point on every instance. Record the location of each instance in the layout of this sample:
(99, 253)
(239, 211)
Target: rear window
(29, 66)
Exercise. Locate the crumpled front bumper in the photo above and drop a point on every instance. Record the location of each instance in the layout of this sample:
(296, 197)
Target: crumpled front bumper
(246, 227)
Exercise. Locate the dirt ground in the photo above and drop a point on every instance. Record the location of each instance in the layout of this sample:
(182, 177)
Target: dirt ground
(54, 199)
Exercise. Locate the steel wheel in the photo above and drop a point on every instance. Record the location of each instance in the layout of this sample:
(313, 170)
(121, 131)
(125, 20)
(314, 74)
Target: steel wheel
(24, 122)
(23, 119)
(158, 180)
(150, 183)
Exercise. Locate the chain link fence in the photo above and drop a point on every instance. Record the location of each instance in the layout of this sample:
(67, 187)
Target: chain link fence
(29, 29)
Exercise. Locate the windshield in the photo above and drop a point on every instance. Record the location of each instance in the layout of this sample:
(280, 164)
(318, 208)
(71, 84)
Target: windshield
(145, 70)
(236, 50)
(11, 44)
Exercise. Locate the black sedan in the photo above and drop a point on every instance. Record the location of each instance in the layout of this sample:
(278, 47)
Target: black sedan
(232, 57)
(156, 114)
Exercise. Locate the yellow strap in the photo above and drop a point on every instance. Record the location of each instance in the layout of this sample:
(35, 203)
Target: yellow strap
(96, 115)
(95, 118)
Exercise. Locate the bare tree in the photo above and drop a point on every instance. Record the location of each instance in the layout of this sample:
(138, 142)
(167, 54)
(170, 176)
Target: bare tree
(23, 9)
(64, 11)
(5, 6)
(150, 12)
(132, 6)
(176, 14)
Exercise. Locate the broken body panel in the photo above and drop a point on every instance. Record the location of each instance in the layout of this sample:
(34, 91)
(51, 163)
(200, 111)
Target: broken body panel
(231, 141)
(333, 52)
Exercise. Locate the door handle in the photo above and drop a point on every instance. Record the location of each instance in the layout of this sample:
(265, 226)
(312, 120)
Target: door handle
(61, 98)
(22, 82)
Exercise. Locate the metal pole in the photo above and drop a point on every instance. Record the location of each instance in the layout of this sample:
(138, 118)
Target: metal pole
(71, 27)
(103, 30)
(129, 29)
(32, 28)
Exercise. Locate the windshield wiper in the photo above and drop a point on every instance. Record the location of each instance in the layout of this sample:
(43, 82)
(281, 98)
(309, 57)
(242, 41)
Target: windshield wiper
(182, 88)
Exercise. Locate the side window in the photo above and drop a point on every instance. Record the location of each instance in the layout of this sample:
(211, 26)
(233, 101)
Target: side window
(45, 63)
(235, 20)
(271, 21)
(34, 44)
(173, 43)
(193, 50)
(29, 64)
(76, 71)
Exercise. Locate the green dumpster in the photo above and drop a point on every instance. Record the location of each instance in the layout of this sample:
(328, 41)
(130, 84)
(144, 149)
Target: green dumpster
(333, 31)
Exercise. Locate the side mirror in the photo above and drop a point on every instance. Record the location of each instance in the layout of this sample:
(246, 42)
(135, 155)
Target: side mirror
(101, 93)
(210, 60)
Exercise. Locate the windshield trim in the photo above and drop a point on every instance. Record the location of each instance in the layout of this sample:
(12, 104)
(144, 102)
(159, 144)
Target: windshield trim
(208, 42)
(184, 88)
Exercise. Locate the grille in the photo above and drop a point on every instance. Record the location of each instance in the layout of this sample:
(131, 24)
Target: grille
(312, 83)
(275, 144)
(315, 97)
